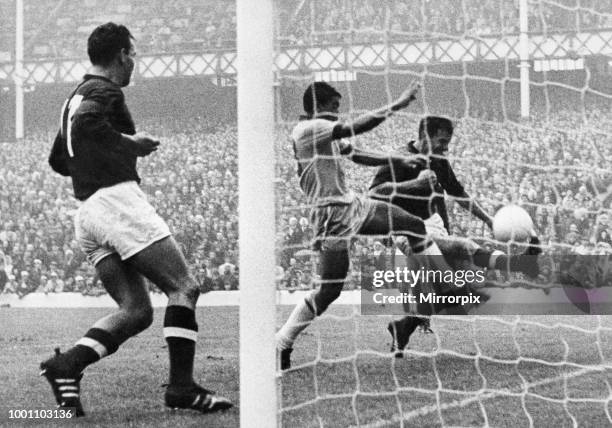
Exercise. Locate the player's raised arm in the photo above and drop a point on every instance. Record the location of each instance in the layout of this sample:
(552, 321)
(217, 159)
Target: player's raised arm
(456, 190)
(374, 158)
(374, 118)
(474, 207)
(425, 180)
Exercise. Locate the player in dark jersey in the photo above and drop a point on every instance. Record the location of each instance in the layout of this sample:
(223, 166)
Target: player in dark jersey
(422, 186)
(419, 188)
(119, 231)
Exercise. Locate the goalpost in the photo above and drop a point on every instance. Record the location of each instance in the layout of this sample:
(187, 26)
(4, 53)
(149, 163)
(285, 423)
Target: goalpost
(19, 72)
(255, 60)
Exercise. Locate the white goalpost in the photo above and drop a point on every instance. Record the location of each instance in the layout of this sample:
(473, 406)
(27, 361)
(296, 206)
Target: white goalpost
(255, 47)
(18, 75)
(524, 55)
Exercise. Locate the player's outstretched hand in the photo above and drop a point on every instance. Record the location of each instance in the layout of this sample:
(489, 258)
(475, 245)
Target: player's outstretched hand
(144, 144)
(408, 95)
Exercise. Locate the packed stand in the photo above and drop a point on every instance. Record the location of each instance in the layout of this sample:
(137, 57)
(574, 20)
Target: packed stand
(59, 29)
(556, 167)
(38, 252)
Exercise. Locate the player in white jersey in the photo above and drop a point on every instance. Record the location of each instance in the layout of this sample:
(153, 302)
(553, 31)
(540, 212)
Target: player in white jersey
(337, 213)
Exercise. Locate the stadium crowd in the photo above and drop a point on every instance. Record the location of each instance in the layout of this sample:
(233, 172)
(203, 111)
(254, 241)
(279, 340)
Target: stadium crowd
(366, 21)
(58, 29)
(38, 251)
(554, 167)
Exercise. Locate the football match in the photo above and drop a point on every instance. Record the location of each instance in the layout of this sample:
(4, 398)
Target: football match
(306, 213)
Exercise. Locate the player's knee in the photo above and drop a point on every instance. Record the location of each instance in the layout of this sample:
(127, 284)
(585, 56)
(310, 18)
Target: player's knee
(145, 318)
(189, 288)
(184, 286)
(141, 318)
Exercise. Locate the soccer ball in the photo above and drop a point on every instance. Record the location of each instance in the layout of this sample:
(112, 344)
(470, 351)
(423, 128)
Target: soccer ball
(512, 223)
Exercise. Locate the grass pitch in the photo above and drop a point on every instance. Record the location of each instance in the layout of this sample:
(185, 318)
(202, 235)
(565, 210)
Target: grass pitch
(474, 371)
(124, 390)
(546, 371)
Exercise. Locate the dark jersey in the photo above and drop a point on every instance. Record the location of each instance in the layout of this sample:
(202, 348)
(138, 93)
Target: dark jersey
(88, 146)
(422, 202)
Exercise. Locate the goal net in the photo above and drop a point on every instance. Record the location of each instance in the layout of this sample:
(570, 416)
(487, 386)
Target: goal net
(548, 150)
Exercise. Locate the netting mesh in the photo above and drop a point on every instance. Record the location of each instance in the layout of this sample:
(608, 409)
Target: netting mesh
(475, 370)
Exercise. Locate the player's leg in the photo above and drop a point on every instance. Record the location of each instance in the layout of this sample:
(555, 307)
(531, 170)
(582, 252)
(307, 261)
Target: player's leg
(402, 329)
(421, 251)
(384, 218)
(135, 314)
(464, 249)
(163, 263)
(334, 265)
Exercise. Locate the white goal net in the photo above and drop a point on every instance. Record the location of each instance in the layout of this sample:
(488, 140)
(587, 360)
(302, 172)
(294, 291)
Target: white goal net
(499, 369)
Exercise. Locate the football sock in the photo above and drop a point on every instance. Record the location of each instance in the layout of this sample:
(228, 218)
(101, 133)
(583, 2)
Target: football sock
(497, 260)
(181, 332)
(500, 261)
(490, 259)
(96, 344)
(300, 318)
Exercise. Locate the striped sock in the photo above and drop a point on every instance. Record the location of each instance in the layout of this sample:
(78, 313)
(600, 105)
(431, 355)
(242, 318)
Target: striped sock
(96, 344)
(181, 332)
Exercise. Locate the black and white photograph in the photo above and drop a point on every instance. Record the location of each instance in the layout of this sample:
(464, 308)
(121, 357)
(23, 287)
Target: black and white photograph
(306, 213)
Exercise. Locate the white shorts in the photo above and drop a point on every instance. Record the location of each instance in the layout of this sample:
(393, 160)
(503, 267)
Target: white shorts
(117, 219)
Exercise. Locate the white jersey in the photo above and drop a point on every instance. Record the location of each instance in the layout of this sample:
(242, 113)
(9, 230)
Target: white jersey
(319, 157)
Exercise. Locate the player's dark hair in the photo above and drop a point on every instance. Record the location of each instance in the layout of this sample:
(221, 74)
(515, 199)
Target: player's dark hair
(106, 41)
(318, 93)
(432, 124)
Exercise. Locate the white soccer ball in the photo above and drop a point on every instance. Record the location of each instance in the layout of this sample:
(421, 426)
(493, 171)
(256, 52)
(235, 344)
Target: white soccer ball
(512, 223)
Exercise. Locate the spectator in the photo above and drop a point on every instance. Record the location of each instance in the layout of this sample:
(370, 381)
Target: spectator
(24, 286)
(204, 280)
(3, 274)
(11, 285)
(228, 280)
(199, 200)
(55, 284)
(226, 266)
